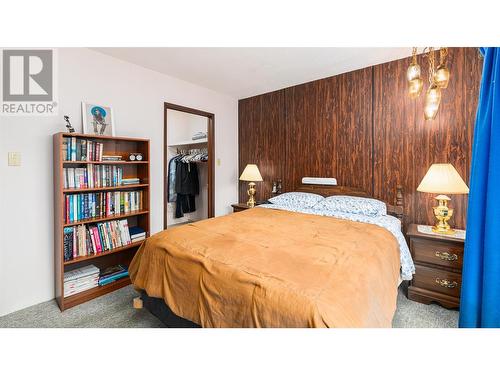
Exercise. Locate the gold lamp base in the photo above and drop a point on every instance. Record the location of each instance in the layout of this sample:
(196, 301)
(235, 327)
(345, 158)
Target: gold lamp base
(251, 194)
(443, 213)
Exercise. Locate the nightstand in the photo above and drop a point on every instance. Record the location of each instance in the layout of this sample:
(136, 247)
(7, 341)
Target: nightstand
(438, 263)
(237, 207)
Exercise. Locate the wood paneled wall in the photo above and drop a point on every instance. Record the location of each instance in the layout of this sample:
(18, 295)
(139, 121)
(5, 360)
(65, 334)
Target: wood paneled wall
(328, 130)
(262, 133)
(361, 128)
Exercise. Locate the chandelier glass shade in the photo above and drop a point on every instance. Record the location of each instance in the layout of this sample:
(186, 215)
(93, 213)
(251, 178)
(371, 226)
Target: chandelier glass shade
(415, 87)
(442, 76)
(432, 101)
(413, 75)
(413, 72)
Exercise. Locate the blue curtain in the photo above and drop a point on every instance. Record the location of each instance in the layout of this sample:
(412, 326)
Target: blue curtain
(480, 300)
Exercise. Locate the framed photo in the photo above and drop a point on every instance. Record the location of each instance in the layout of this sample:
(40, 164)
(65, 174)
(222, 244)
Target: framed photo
(98, 119)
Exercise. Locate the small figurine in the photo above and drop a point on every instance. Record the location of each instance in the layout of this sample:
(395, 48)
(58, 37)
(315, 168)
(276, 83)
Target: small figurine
(68, 125)
(275, 187)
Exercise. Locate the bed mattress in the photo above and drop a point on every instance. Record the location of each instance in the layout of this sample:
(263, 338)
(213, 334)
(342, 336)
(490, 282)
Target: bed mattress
(273, 268)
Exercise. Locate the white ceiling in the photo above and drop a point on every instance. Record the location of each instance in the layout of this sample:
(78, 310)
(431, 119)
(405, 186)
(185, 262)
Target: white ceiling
(244, 72)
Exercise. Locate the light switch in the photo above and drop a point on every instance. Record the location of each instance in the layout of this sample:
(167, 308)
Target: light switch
(14, 159)
(218, 162)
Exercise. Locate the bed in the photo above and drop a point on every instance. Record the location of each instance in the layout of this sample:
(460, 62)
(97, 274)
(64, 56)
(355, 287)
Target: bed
(284, 264)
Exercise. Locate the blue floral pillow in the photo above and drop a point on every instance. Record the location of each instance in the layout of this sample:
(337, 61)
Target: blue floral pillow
(296, 199)
(353, 205)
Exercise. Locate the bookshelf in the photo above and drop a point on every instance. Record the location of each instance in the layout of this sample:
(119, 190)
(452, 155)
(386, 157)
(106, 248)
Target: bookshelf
(123, 255)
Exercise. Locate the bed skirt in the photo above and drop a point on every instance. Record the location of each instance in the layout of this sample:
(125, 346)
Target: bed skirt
(159, 308)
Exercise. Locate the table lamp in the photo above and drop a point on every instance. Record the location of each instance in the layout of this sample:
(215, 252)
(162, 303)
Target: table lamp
(251, 173)
(443, 179)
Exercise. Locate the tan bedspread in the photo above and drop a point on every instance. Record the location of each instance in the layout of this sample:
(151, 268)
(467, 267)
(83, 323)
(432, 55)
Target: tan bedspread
(271, 268)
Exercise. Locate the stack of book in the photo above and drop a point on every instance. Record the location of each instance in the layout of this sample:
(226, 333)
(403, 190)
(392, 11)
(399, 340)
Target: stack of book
(93, 205)
(130, 181)
(75, 149)
(83, 240)
(111, 158)
(137, 234)
(113, 273)
(92, 176)
(80, 279)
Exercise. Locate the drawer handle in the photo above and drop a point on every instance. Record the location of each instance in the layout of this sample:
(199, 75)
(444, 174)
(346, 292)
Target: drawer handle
(446, 283)
(447, 256)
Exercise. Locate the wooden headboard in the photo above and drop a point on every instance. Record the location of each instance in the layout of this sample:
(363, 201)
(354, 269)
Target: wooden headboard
(394, 208)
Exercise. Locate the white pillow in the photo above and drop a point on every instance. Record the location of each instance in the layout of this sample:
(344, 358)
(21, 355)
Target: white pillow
(296, 199)
(353, 205)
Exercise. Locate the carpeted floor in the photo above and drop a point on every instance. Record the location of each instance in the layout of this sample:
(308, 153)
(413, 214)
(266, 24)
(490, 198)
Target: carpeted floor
(115, 310)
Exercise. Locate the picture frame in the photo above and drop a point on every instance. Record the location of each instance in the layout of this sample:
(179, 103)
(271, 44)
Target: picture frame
(98, 119)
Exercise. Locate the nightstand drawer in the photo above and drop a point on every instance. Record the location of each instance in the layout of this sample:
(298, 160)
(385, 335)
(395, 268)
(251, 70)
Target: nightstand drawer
(440, 281)
(436, 252)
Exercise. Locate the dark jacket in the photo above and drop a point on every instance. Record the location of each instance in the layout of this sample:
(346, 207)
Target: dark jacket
(186, 186)
(186, 179)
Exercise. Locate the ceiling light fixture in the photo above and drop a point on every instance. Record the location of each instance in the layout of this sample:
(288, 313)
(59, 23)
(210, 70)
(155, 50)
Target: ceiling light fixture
(438, 79)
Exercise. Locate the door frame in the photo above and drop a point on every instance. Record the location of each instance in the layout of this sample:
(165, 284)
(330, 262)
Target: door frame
(211, 156)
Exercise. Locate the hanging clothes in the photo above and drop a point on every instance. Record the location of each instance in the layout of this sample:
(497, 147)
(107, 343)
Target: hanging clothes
(185, 203)
(171, 178)
(186, 179)
(187, 186)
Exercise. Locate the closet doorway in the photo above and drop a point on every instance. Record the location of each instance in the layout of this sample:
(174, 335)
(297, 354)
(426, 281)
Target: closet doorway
(188, 171)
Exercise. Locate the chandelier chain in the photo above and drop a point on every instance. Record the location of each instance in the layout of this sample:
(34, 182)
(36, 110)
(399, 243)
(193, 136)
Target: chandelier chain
(443, 54)
(432, 59)
(414, 55)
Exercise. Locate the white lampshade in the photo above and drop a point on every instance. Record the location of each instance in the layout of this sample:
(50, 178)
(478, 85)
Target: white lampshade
(443, 179)
(251, 173)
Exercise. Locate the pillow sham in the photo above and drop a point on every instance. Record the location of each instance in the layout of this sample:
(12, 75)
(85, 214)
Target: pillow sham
(297, 199)
(353, 205)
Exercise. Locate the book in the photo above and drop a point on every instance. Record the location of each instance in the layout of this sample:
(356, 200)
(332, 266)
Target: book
(80, 284)
(112, 279)
(137, 234)
(81, 272)
(138, 239)
(83, 150)
(112, 274)
(111, 158)
(65, 142)
(93, 176)
(84, 280)
(130, 181)
(75, 149)
(109, 271)
(135, 230)
(91, 239)
(68, 244)
(101, 204)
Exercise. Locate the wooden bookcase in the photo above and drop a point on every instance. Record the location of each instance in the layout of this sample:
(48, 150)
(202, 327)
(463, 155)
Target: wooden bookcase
(122, 255)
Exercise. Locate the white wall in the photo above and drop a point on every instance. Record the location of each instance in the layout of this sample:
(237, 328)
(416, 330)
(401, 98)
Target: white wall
(26, 193)
(182, 126)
